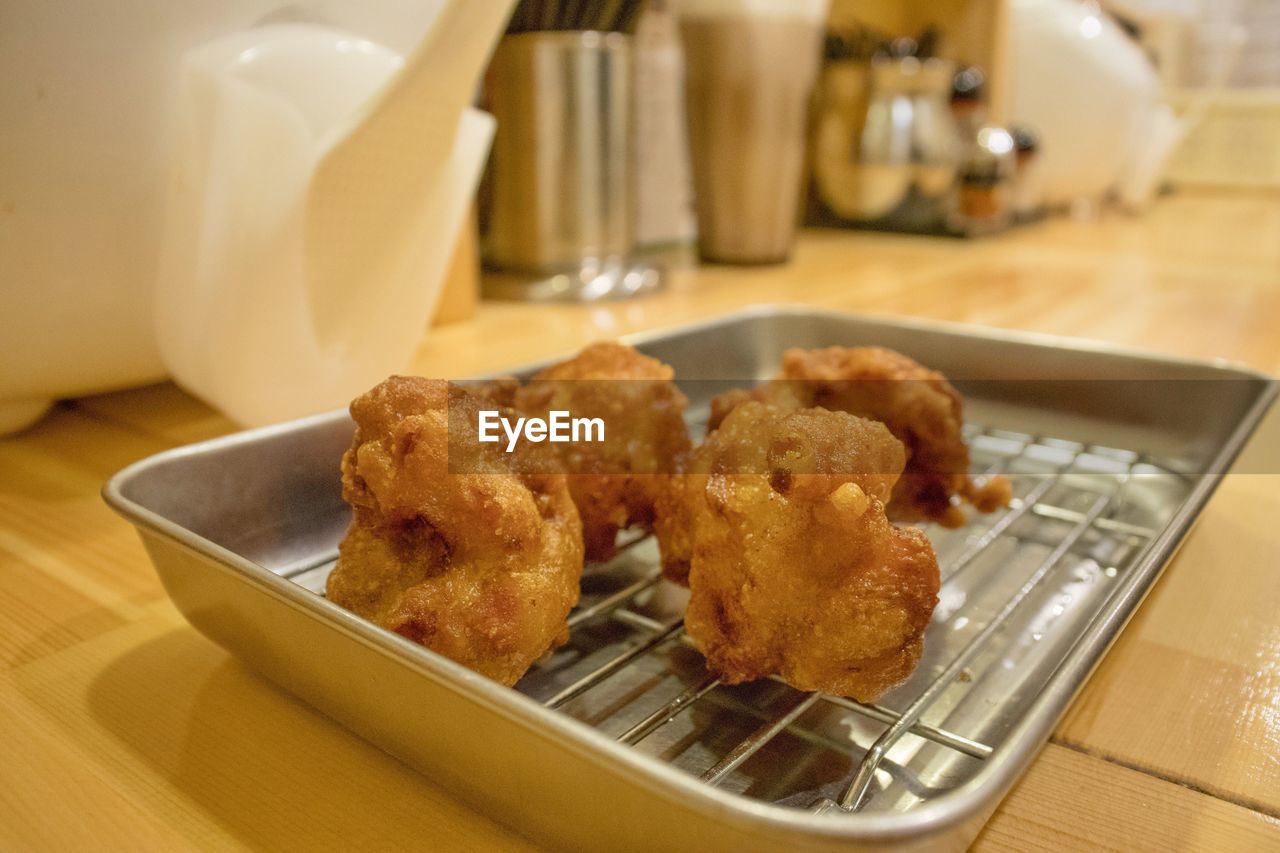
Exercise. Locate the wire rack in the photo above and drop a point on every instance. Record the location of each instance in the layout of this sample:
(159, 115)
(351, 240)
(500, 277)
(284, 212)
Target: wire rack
(1018, 588)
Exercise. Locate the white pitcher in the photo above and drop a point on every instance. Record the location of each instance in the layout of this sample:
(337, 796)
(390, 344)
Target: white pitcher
(258, 201)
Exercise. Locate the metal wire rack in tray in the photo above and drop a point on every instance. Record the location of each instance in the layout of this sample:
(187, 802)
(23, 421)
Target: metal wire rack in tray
(1019, 586)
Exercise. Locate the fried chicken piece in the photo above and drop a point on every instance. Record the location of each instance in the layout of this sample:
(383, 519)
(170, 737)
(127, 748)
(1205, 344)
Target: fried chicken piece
(672, 527)
(919, 406)
(454, 544)
(615, 483)
(795, 569)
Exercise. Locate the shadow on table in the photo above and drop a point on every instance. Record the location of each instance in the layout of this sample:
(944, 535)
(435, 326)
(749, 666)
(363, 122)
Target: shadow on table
(265, 766)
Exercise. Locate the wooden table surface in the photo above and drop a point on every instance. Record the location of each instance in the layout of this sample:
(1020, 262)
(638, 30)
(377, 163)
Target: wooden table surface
(120, 727)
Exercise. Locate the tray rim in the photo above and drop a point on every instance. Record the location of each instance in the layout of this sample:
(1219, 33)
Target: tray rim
(950, 810)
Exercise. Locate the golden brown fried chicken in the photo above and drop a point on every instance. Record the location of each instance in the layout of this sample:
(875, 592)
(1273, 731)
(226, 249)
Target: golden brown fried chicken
(794, 568)
(614, 482)
(454, 544)
(919, 406)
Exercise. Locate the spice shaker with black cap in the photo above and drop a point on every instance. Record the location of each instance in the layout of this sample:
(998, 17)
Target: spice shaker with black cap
(984, 187)
(1028, 201)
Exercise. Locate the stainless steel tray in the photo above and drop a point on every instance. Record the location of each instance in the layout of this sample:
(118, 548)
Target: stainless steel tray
(621, 740)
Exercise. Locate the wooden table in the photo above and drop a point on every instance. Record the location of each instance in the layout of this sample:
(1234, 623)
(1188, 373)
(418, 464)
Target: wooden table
(121, 727)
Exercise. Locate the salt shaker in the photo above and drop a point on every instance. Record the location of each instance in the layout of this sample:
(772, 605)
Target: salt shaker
(984, 192)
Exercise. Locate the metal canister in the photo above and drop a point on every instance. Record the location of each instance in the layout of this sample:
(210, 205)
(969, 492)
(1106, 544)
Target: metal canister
(562, 173)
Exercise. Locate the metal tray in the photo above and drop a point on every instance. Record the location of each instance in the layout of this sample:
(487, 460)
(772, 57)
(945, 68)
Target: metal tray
(620, 740)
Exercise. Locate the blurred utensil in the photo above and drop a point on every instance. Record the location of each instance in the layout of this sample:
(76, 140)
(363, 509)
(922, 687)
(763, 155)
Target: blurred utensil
(562, 172)
(569, 15)
(886, 144)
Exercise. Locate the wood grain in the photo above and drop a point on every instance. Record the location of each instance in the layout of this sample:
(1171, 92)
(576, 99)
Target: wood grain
(1191, 692)
(1108, 807)
(123, 728)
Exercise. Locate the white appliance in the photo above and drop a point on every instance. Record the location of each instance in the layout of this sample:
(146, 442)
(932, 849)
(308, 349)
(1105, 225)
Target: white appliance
(256, 197)
(1090, 94)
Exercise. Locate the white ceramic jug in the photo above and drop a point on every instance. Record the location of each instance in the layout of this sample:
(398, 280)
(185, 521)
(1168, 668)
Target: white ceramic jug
(257, 199)
(1086, 89)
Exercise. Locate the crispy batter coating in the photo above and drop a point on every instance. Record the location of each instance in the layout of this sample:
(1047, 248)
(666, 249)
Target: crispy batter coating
(794, 567)
(615, 483)
(919, 406)
(456, 546)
